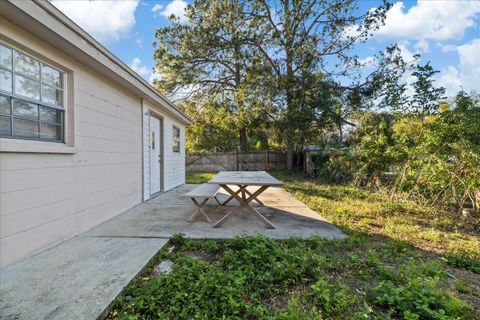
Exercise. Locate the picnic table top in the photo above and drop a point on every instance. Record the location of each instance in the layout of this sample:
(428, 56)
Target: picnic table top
(250, 178)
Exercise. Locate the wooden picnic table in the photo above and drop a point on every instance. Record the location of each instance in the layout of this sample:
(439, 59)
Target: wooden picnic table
(243, 179)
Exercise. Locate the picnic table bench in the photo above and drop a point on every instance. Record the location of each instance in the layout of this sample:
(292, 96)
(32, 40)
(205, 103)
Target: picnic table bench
(204, 191)
(225, 180)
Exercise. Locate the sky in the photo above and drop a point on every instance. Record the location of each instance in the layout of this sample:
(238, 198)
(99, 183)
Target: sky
(445, 33)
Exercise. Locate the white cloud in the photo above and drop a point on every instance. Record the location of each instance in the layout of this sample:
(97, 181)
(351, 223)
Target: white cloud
(469, 54)
(175, 8)
(107, 20)
(433, 20)
(423, 45)
(144, 71)
(450, 79)
(368, 61)
(447, 47)
(137, 66)
(156, 9)
(467, 75)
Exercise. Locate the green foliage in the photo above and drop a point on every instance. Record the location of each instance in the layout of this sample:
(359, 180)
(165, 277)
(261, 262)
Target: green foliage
(374, 212)
(387, 268)
(425, 100)
(432, 159)
(460, 262)
(335, 167)
(269, 64)
(261, 278)
(372, 154)
(213, 128)
(463, 286)
(198, 177)
(440, 155)
(418, 299)
(215, 71)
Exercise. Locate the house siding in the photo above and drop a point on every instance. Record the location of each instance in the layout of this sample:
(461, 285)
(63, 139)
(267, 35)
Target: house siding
(146, 155)
(174, 170)
(48, 197)
(174, 162)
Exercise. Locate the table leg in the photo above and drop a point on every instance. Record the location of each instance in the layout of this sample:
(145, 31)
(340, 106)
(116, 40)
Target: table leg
(243, 189)
(216, 199)
(199, 210)
(244, 204)
(256, 199)
(260, 217)
(231, 197)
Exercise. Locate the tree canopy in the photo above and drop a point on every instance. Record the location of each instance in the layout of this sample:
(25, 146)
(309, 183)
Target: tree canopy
(286, 62)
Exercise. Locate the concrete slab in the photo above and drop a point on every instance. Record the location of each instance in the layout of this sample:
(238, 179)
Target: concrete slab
(167, 214)
(76, 279)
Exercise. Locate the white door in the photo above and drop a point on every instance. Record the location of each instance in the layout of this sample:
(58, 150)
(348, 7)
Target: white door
(155, 155)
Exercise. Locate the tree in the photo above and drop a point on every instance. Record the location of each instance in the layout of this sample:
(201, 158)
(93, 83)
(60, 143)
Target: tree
(207, 59)
(425, 101)
(212, 128)
(300, 38)
(286, 60)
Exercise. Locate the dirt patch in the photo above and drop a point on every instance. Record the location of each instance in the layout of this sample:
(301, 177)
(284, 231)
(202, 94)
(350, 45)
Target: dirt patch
(472, 281)
(205, 256)
(280, 302)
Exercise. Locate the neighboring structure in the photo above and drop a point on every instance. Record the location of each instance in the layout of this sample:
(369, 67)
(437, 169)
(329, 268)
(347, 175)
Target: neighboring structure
(82, 136)
(310, 153)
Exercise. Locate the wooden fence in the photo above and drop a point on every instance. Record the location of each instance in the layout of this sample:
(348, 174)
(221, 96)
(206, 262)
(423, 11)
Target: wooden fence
(236, 161)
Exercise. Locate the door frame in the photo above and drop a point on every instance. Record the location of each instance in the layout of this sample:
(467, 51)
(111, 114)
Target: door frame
(162, 153)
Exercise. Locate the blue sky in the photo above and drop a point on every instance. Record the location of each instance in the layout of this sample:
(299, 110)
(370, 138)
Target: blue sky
(446, 33)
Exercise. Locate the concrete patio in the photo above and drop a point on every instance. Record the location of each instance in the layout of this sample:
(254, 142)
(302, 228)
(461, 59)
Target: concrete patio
(78, 278)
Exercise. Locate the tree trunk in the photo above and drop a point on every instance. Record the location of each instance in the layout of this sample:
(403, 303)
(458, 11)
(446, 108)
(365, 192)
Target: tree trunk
(289, 88)
(243, 139)
(290, 156)
(340, 131)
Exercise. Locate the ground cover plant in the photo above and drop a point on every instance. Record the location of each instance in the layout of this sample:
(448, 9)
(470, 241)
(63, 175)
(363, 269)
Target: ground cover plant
(396, 263)
(198, 177)
(374, 212)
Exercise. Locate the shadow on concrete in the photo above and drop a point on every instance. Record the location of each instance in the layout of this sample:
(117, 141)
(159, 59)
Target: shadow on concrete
(167, 214)
(78, 278)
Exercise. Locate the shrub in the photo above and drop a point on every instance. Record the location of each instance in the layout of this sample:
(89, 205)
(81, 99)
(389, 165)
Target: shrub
(418, 299)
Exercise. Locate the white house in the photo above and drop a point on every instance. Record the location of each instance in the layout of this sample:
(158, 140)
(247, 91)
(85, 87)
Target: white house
(82, 136)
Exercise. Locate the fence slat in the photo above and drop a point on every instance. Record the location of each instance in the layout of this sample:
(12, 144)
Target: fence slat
(232, 161)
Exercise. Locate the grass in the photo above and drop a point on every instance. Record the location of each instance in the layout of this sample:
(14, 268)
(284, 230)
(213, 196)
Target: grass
(399, 261)
(199, 177)
(374, 213)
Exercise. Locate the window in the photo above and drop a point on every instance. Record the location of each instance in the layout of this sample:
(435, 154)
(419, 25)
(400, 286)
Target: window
(31, 97)
(176, 139)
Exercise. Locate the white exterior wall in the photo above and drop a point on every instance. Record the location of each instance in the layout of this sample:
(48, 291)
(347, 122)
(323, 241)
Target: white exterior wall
(48, 197)
(174, 162)
(146, 154)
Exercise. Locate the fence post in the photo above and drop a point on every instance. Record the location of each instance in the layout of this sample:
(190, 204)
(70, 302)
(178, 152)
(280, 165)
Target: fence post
(266, 160)
(236, 160)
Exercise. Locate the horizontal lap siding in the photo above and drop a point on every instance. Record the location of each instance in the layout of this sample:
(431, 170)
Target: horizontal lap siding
(174, 169)
(45, 198)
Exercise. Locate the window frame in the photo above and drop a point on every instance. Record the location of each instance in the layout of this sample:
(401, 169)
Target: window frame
(176, 139)
(61, 107)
